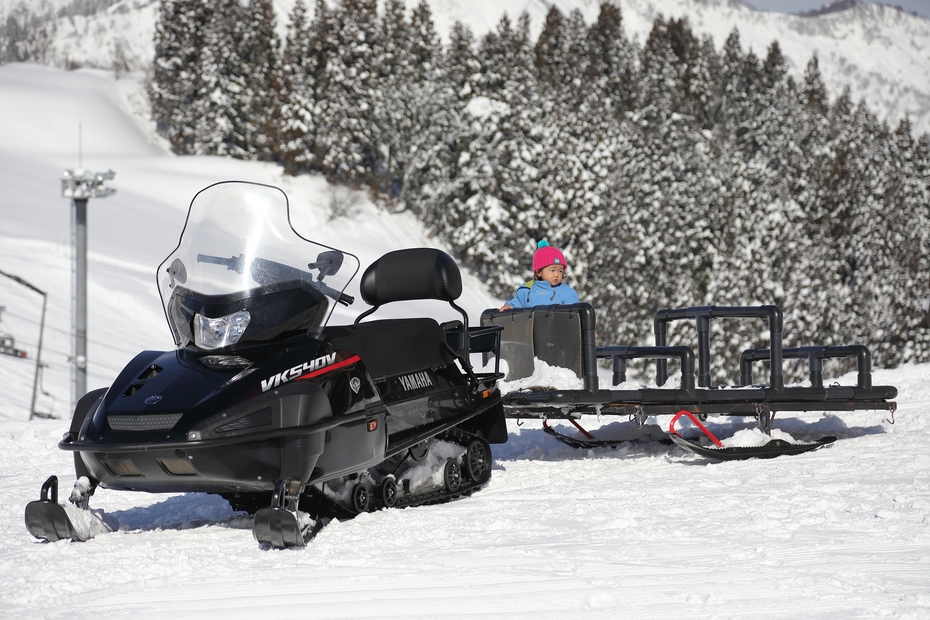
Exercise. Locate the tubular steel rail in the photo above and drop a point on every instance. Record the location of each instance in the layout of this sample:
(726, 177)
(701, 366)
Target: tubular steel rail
(696, 394)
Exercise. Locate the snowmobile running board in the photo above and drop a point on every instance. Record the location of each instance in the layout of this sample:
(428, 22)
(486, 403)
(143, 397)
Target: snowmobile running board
(565, 336)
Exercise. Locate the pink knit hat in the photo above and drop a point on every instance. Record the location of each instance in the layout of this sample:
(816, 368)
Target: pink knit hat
(547, 255)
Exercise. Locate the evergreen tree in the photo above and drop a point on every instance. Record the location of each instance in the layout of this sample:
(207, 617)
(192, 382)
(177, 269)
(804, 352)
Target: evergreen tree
(221, 104)
(176, 78)
(347, 93)
(295, 120)
(459, 63)
(611, 68)
(261, 97)
(551, 50)
(814, 93)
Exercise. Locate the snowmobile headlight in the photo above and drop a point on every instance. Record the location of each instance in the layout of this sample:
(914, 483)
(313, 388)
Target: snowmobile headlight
(220, 332)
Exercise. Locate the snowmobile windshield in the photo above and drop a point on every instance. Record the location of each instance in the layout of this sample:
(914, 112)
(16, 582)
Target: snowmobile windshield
(242, 275)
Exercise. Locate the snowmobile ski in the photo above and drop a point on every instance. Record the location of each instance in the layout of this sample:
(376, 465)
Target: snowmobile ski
(770, 450)
(46, 519)
(281, 528)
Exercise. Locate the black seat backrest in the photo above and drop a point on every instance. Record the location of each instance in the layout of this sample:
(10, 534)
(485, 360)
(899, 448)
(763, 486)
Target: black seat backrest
(417, 273)
(412, 274)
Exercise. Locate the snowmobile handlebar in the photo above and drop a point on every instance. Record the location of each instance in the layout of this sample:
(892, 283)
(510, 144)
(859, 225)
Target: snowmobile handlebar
(262, 270)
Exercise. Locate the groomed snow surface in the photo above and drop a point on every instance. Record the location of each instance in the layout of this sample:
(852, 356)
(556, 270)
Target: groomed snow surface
(642, 531)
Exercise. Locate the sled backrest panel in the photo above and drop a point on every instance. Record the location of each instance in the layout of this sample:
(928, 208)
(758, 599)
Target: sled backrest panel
(549, 333)
(516, 341)
(557, 338)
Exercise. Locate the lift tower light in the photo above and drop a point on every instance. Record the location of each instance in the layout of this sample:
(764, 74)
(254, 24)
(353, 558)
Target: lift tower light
(83, 184)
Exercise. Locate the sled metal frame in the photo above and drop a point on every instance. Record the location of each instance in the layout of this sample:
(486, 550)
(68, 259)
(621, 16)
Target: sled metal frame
(697, 394)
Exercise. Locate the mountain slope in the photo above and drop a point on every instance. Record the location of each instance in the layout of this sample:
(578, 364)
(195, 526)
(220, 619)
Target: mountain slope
(881, 53)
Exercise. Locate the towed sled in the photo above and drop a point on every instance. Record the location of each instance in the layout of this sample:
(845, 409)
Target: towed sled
(564, 336)
(267, 405)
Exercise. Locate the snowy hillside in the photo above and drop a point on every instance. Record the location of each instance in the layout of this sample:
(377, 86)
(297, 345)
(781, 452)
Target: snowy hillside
(881, 53)
(643, 531)
(129, 233)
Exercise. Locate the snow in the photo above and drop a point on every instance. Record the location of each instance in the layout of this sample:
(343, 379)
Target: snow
(644, 530)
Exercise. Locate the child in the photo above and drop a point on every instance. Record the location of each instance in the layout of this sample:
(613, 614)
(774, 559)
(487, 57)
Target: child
(546, 288)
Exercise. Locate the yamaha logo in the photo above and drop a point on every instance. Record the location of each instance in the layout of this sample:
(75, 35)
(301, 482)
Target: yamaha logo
(151, 400)
(416, 381)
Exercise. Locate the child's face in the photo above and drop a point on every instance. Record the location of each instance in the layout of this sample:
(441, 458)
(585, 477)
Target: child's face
(552, 274)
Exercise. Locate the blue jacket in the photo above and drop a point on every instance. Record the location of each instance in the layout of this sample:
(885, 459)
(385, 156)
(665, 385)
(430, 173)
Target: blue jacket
(541, 293)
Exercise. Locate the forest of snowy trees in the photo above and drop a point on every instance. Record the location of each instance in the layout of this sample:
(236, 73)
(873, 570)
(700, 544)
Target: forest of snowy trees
(672, 173)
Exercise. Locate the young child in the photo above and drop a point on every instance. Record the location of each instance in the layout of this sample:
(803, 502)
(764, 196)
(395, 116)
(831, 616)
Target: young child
(546, 288)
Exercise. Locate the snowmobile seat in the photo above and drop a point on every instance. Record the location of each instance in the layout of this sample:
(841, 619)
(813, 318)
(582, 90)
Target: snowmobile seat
(413, 274)
(393, 346)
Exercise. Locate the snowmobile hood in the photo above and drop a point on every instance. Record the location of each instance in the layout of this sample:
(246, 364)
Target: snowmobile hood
(242, 275)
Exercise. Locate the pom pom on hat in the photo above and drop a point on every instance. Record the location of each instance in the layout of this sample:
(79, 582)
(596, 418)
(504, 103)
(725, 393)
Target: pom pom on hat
(547, 255)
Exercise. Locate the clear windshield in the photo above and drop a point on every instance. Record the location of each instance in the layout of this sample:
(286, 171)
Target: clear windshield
(239, 252)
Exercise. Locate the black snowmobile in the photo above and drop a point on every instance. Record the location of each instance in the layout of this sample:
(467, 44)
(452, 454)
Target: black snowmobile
(263, 403)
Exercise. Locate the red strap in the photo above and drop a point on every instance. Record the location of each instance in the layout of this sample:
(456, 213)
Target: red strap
(578, 426)
(671, 427)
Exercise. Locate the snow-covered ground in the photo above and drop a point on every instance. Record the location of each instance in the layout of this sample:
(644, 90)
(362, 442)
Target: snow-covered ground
(644, 531)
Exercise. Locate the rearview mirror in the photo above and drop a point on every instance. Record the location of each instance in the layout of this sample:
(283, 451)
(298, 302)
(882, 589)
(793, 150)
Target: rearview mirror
(328, 263)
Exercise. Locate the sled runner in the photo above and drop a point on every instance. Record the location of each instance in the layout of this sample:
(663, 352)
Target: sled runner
(267, 405)
(565, 336)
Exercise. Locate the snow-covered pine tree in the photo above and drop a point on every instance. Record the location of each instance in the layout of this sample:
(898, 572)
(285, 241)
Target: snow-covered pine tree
(344, 117)
(295, 120)
(492, 212)
(759, 234)
(391, 116)
(911, 188)
(443, 181)
(884, 238)
(176, 77)
(432, 117)
(261, 97)
(221, 105)
(681, 187)
(459, 62)
(612, 64)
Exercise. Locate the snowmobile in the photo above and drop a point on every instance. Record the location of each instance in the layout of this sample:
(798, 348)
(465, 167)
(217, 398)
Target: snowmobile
(564, 336)
(265, 404)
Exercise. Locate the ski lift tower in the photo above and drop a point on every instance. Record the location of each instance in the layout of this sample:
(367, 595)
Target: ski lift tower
(80, 186)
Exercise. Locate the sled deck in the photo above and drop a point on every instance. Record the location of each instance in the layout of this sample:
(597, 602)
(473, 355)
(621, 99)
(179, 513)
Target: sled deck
(565, 336)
